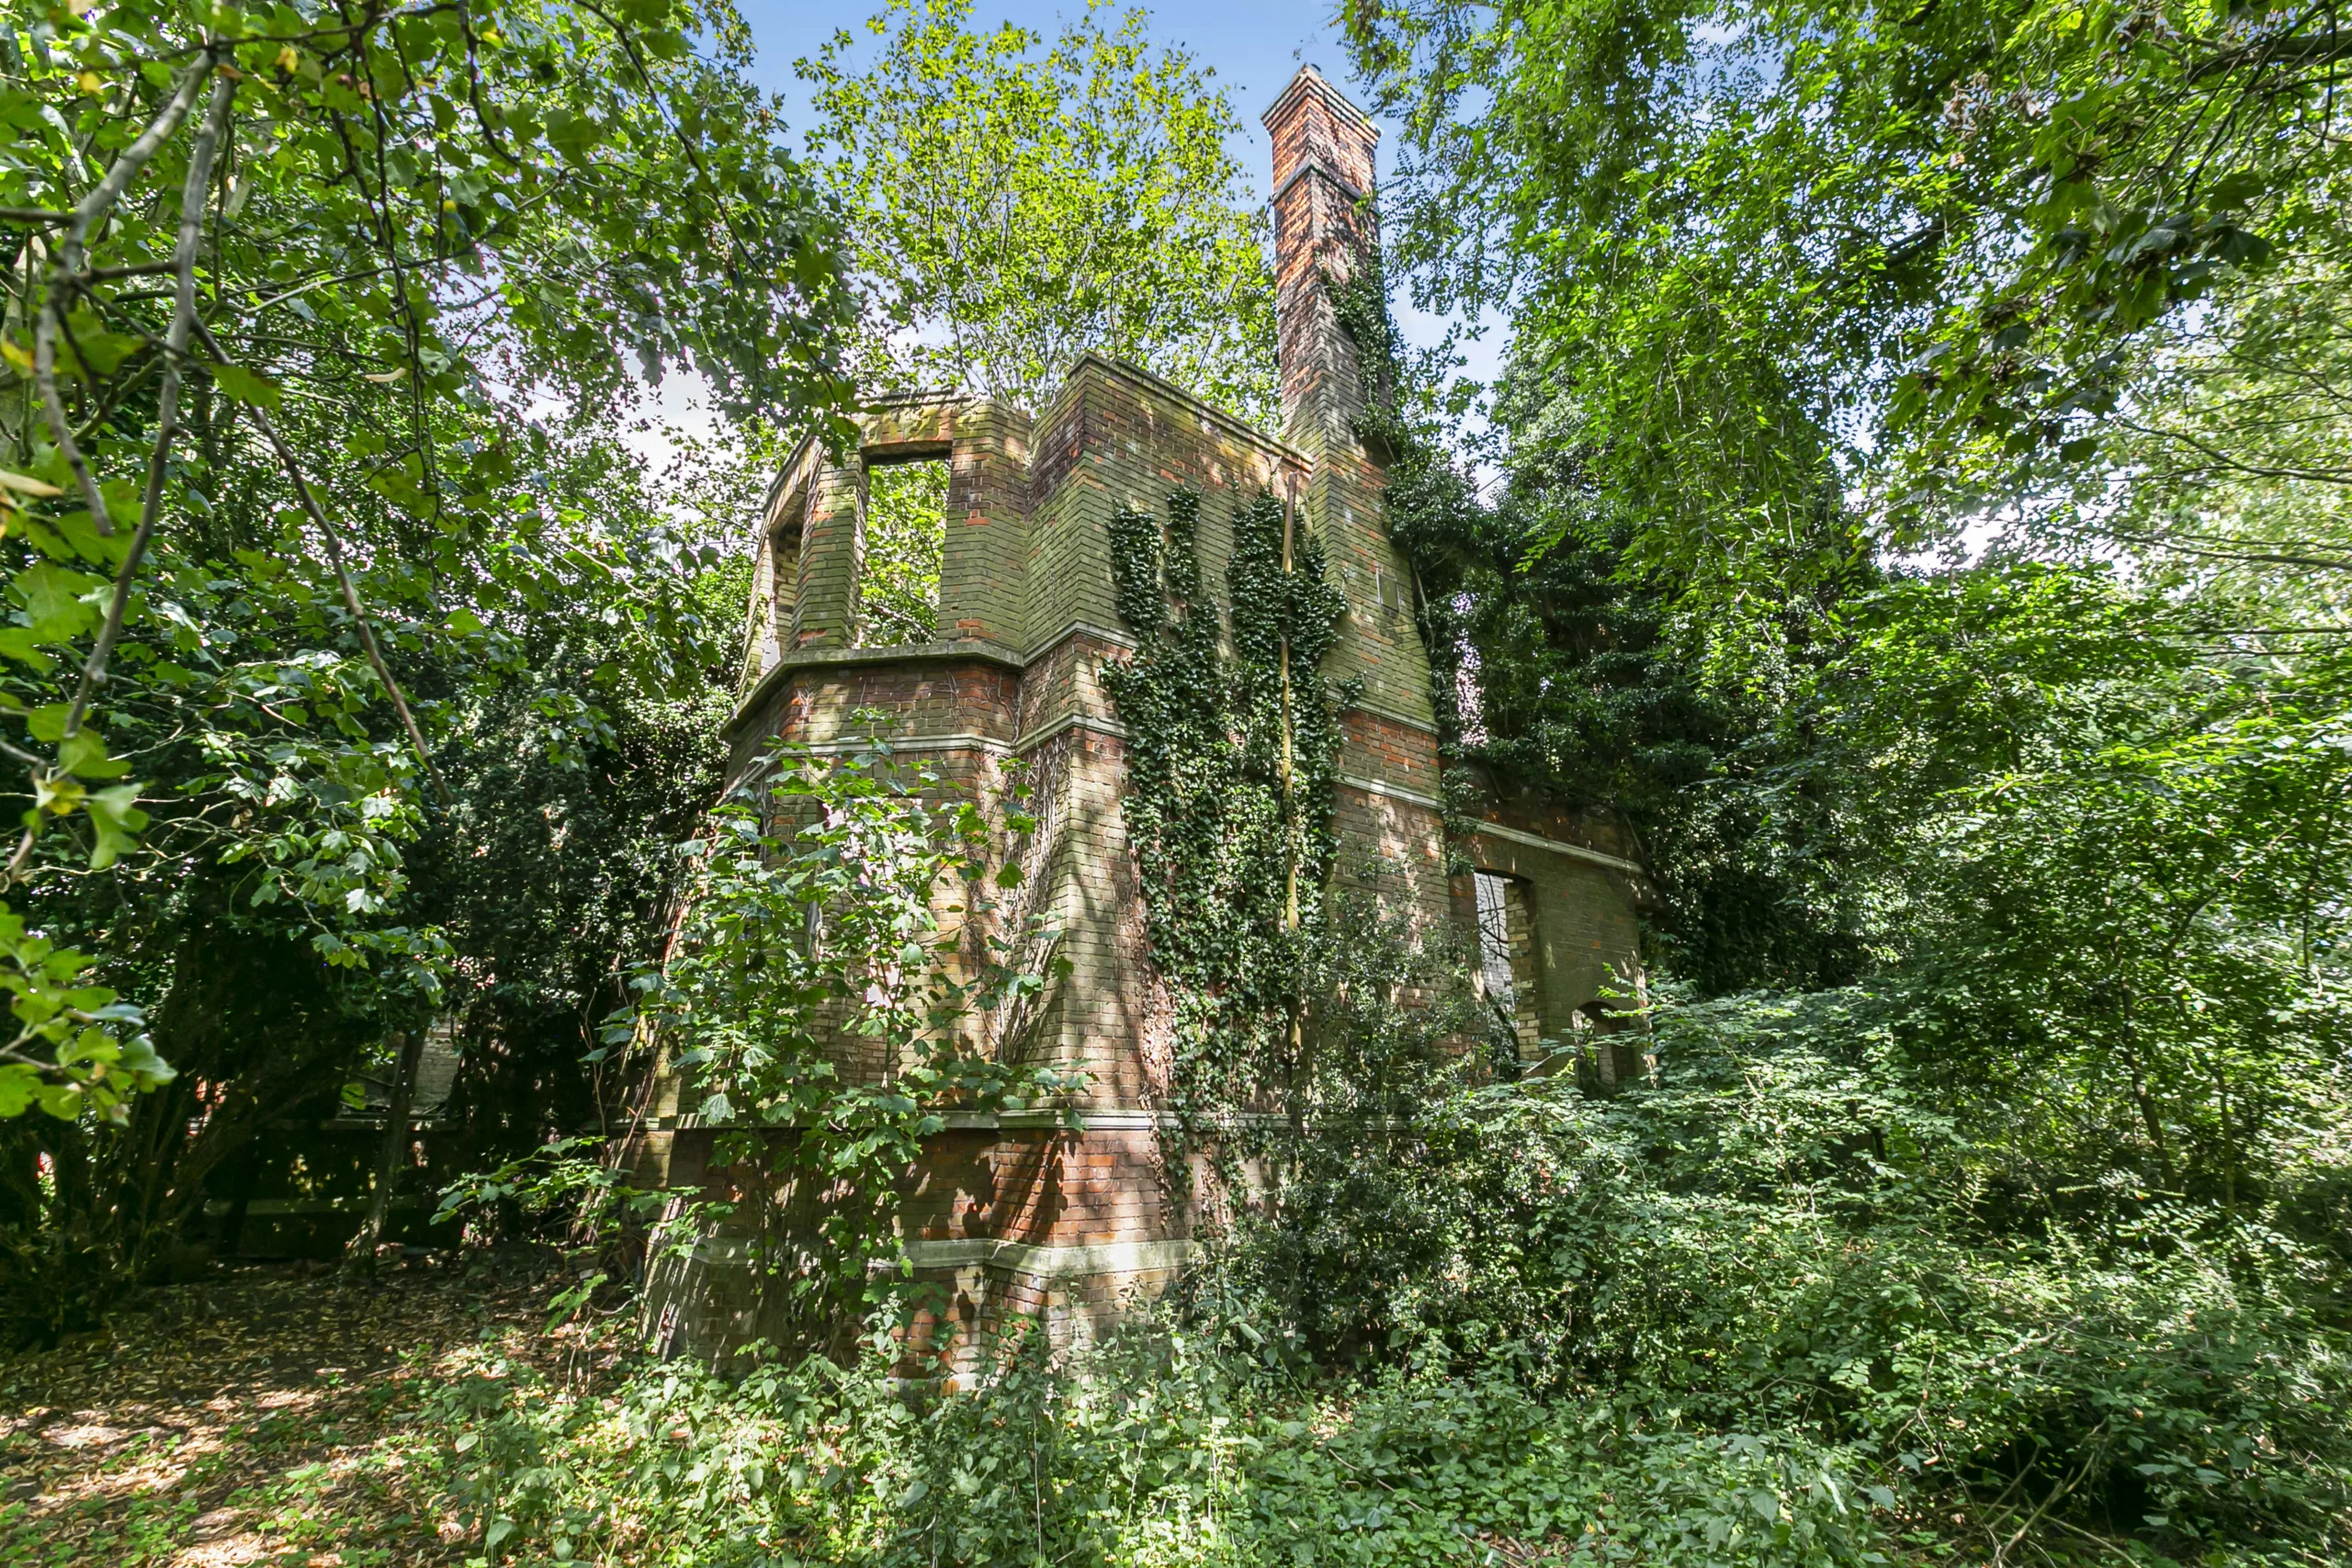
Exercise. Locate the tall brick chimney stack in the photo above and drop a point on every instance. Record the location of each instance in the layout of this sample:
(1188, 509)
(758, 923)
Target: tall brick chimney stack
(1323, 235)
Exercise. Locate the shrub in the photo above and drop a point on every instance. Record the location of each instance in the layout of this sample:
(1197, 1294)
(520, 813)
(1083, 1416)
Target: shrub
(1778, 1237)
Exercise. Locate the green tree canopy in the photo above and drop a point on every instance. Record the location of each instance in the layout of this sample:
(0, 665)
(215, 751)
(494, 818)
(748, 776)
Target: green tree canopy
(285, 286)
(1013, 204)
(1759, 256)
(330, 575)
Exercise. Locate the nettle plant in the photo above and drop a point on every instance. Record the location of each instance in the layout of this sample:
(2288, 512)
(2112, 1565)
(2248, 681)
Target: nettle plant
(851, 968)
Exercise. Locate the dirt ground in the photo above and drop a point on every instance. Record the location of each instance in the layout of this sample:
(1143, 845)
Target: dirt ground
(259, 1417)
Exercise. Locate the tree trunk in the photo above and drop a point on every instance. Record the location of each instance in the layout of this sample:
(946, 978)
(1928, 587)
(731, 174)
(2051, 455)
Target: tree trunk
(391, 1157)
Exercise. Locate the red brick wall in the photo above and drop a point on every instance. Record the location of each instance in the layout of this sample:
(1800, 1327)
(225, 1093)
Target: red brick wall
(1323, 173)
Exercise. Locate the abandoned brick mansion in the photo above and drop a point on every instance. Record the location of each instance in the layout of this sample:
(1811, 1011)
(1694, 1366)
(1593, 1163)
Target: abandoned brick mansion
(1016, 1211)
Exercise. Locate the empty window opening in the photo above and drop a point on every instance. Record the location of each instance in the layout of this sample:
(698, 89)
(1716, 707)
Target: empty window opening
(1507, 967)
(906, 536)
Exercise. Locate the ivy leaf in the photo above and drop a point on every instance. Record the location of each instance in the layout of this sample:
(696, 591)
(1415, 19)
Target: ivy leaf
(19, 643)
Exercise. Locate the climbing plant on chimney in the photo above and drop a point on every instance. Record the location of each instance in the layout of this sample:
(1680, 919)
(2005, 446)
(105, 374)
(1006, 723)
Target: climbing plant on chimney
(1233, 746)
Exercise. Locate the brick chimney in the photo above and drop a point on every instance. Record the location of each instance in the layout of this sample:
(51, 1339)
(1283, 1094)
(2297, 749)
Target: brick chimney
(1323, 235)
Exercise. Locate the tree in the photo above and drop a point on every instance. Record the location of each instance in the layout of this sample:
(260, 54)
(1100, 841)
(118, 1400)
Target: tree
(2095, 865)
(291, 293)
(556, 868)
(842, 977)
(303, 271)
(1013, 205)
(1796, 289)
(2225, 469)
(1762, 256)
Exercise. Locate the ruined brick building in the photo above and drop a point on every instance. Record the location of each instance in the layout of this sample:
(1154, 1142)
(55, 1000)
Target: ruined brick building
(1018, 1214)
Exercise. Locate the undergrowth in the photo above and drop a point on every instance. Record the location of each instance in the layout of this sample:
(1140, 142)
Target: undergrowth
(1765, 1309)
(1163, 1447)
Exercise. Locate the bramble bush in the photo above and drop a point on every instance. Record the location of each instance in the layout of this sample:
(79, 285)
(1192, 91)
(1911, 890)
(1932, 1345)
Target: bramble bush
(1780, 1235)
(1158, 1447)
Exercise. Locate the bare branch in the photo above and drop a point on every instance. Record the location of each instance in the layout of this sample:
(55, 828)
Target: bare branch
(473, 89)
(86, 213)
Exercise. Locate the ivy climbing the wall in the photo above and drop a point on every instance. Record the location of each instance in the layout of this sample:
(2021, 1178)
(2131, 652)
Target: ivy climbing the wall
(1433, 511)
(1559, 666)
(1233, 747)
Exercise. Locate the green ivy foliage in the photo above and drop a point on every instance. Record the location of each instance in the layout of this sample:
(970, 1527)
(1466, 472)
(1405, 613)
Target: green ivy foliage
(1233, 749)
(1760, 1311)
(1790, 1232)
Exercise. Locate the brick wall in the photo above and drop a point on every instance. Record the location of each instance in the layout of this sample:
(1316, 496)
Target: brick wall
(1323, 179)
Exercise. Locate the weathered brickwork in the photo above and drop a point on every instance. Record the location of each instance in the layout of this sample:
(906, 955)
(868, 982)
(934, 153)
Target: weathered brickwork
(1323, 181)
(1020, 1217)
